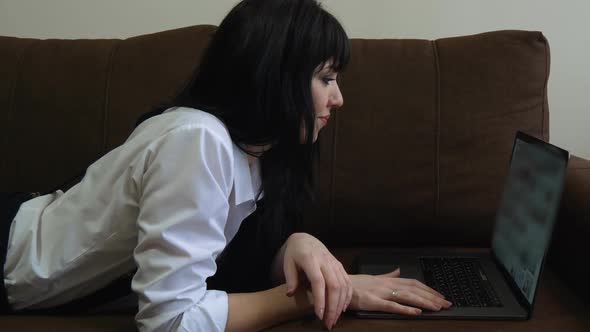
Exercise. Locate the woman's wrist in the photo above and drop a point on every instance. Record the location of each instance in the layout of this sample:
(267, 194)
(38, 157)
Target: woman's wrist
(277, 274)
(286, 308)
(260, 310)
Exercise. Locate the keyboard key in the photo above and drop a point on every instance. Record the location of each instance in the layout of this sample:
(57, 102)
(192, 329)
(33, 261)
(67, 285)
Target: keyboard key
(461, 280)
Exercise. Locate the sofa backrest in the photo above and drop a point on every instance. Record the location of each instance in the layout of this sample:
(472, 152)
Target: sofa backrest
(417, 155)
(420, 150)
(65, 103)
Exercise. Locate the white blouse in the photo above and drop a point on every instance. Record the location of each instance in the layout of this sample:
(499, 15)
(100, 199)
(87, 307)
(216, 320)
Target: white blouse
(166, 202)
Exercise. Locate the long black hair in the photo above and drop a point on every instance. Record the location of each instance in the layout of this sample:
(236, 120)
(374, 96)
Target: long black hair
(255, 76)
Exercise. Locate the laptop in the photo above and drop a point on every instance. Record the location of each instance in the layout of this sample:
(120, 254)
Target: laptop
(499, 283)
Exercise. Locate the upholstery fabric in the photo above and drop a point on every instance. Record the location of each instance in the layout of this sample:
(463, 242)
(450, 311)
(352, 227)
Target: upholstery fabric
(417, 155)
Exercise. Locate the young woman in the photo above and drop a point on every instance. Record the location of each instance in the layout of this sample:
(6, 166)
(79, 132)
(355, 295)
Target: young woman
(164, 205)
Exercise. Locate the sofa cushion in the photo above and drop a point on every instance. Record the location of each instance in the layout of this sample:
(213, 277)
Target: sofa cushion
(64, 103)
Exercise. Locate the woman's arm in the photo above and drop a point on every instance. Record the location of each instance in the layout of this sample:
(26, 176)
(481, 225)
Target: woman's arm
(185, 186)
(303, 254)
(260, 310)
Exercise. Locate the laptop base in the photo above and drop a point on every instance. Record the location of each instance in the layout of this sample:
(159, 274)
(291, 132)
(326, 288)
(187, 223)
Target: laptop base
(381, 262)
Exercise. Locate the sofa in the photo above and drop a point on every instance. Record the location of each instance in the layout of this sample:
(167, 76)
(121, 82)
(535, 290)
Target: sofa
(416, 157)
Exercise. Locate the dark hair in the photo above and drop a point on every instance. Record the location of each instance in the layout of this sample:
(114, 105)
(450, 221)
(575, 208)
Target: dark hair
(255, 76)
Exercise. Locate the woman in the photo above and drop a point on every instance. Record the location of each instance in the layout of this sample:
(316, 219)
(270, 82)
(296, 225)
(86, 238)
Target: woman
(164, 205)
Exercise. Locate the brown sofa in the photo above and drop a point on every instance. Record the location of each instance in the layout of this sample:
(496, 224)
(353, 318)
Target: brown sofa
(416, 157)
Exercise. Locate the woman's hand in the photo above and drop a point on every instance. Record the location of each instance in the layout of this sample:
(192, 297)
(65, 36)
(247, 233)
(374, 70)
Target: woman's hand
(390, 293)
(330, 284)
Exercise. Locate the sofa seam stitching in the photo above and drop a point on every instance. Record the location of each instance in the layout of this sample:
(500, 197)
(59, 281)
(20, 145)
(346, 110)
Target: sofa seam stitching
(107, 86)
(436, 130)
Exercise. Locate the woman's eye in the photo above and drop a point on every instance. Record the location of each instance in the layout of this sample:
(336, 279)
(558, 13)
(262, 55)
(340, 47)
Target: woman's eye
(327, 80)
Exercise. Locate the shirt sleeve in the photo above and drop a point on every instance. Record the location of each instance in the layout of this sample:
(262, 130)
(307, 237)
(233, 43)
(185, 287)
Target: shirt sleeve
(184, 206)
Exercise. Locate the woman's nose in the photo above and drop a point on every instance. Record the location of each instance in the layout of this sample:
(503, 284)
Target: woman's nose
(336, 99)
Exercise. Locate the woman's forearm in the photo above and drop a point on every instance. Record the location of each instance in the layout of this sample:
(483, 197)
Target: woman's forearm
(260, 310)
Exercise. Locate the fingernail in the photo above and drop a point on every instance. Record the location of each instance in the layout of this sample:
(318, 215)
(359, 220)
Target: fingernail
(418, 311)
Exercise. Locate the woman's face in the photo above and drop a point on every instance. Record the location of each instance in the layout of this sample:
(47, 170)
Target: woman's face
(326, 96)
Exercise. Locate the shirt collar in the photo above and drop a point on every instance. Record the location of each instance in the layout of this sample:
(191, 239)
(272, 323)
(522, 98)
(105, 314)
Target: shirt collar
(247, 177)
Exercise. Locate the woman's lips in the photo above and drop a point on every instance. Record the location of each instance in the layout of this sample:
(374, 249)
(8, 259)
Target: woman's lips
(324, 119)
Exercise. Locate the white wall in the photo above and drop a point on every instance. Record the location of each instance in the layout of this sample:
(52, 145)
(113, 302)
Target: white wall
(565, 23)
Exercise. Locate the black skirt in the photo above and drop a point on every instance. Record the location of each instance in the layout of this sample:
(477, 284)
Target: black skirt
(9, 205)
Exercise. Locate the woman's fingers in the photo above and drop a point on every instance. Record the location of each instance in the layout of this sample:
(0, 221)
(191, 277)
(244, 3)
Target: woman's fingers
(395, 295)
(394, 307)
(415, 293)
(318, 287)
(333, 298)
(411, 282)
(291, 276)
(348, 285)
(393, 274)
(434, 299)
(417, 284)
(338, 270)
(331, 286)
(419, 298)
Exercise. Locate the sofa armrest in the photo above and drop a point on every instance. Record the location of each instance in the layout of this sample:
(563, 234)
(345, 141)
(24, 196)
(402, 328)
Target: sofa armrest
(569, 248)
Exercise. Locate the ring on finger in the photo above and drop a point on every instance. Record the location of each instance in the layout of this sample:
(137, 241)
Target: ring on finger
(395, 293)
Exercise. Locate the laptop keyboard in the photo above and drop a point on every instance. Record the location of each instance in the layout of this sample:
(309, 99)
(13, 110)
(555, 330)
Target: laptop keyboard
(461, 280)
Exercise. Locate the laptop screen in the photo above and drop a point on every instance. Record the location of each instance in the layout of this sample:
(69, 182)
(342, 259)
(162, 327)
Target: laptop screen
(528, 210)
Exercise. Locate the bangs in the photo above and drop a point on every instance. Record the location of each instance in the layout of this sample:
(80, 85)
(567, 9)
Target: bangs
(333, 44)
